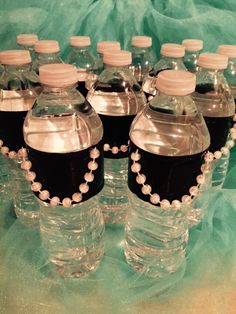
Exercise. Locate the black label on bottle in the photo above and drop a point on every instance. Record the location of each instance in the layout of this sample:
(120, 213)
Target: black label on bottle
(170, 177)
(11, 129)
(218, 128)
(116, 133)
(62, 173)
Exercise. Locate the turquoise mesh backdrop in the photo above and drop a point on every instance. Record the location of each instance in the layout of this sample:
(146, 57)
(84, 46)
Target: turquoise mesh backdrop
(207, 283)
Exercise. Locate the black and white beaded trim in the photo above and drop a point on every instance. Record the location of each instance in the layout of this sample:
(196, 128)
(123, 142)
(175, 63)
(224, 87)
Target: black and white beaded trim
(194, 190)
(67, 201)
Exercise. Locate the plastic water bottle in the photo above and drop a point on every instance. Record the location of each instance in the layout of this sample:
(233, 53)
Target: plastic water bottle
(142, 58)
(193, 48)
(47, 52)
(167, 142)
(27, 42)
(16, 99)
(171, 58)
(63, 135)
(81, 57)
(230, 72)
(215, 101)
(102, 46)
(117, 98)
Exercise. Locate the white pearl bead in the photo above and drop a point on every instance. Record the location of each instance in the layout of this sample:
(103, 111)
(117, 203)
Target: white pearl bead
(194, 190)
(1, 143)
(89, 177)
(205, 168)
(176, 204)
(22, 152)
(200, 179)
(106, 147)
(94, 153)
(26, 165)
(232, 130)
(209, 157)
(233, 135)
(92, 165)
(83, 188)
(12, 154)
(230, 143)
(66, 202)
(54, 201)
(44, 195)
(77, 197)
(115, 150)
(30, 176)
(4, 150)
(225, 151)
(186, 199)
(165, 204)
(136, 167)
(124, 148)
(135, 156)
(155, 198)
(36, 186)
(146, 189)
(217, 154)
(141, 179)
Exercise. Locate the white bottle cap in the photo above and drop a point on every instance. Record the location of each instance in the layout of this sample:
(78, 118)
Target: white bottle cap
(141, 41)
(117, 57)
(26, 39)
(47, 46)
(175, 82)
(107, 45)
(192, 44)
(212, 61)
(227, 50)
(15, 57)
(80, 41)
(58, 75)
(172, 50)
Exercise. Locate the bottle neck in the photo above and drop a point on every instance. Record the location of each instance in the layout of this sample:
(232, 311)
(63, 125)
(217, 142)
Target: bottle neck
(59, 90)
(140, 50)
(80, 49)
(17, 68)
(48, 56)
(108, 66)
(173, 105)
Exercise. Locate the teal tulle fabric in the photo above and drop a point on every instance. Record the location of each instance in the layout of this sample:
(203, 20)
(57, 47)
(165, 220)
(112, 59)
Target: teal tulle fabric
(207, 282)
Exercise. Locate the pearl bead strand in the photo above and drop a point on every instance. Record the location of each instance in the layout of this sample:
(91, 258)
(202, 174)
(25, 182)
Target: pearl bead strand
(67, 201)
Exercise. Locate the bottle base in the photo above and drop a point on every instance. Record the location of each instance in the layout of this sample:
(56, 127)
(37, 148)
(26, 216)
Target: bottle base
(27, 218)
(153, 263)
(66, 265)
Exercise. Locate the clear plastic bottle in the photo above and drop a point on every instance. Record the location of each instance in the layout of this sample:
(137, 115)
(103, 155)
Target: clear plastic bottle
(63, 135)
(193, 48)
(47, 52)
(27, 42)
(168, 139)
(117, 98)
(142, 58)
(16, 99)
(215, 101)
(171, 58)
(230, 72)
(102, 46)
(81, 57)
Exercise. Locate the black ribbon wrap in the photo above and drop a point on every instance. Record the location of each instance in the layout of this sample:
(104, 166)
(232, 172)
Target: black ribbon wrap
(170, 177)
